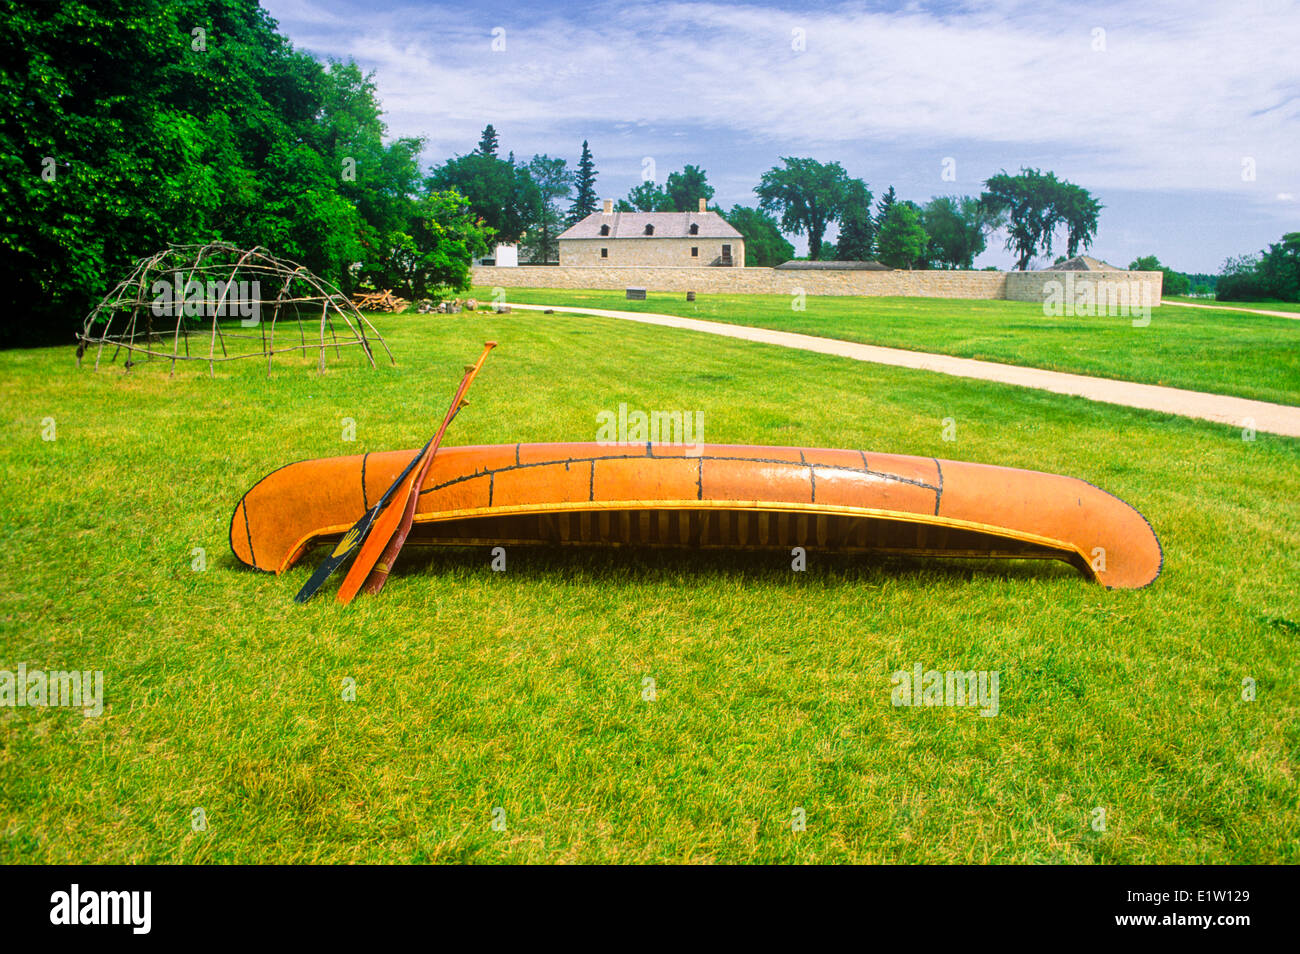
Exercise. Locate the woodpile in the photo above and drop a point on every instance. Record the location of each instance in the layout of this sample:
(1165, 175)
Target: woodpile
(380, 301)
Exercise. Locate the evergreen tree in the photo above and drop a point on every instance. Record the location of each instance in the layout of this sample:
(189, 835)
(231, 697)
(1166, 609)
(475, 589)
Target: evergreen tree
(857, 230)
(882, 208)
(584, 182)
(487, 143)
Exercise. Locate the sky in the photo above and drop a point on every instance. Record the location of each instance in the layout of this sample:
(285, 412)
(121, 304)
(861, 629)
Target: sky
(1183, 117)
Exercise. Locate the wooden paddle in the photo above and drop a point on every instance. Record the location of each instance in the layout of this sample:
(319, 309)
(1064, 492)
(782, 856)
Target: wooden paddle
(379, 575)
(386, 525)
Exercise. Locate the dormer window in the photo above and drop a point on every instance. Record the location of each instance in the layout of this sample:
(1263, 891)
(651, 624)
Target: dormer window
(649, 230)
(695, 228)
(604, 230)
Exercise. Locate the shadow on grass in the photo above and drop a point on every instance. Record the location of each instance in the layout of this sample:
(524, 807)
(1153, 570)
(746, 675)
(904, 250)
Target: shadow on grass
(651, 565)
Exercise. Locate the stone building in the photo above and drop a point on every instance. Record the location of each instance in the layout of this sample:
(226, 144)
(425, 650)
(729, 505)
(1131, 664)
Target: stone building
(682, 239)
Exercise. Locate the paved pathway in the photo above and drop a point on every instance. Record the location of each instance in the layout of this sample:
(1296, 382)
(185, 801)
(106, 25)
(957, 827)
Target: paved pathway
(1293, 315)
(1239, 412)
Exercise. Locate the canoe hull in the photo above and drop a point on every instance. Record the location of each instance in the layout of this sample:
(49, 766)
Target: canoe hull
(708, 496)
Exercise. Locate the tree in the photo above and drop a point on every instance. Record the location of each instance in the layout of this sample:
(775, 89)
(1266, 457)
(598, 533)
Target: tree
(957, 226)
(807, 194)
(902, 240)
(857, 228)
(883, 206)
(1273, 274)
(554, 182)
(488, 142)
(647, 197)
(1173, 283)
(1035, 204)
(685, 189)
(1280, 268)
(432, 254)
(584, 184)
(764, 244)
(135, 134)
(501, 193)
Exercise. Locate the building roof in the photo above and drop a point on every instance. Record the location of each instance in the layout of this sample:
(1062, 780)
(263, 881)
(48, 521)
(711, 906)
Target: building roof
(1083, 263)
(834, 265)
(631, 225)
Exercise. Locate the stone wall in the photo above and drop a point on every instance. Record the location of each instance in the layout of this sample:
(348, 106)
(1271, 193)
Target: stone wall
(1132, 287)
(1017, 286)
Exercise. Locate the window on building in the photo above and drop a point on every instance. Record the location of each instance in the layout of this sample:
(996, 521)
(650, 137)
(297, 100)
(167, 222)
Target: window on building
(604, 230)
(695, 251)
(649, 230)
(604, 253)
(695, 228)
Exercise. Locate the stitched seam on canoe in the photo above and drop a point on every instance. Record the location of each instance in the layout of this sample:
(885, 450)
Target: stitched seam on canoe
(365, 501)
(938, 491)
(753, 460)
(812, 475)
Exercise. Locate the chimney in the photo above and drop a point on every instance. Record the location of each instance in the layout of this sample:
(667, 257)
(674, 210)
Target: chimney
(609, 206)
(701, 205)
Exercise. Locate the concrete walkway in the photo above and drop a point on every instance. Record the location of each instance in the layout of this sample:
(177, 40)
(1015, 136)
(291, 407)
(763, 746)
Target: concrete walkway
(1238, 412)
(1293, 315)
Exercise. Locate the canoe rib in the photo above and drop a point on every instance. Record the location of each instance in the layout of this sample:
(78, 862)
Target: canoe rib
(711, 496)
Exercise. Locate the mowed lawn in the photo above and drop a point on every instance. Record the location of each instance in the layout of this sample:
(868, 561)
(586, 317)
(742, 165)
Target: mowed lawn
(521, 697)
(1253, 356)
(1229, 305)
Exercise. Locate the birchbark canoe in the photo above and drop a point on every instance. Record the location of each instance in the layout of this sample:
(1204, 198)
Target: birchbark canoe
(707, 496)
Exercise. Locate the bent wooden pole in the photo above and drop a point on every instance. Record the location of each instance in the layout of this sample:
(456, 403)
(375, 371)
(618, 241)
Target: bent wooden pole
(707, 496)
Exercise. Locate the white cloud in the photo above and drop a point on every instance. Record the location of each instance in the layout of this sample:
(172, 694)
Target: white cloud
(1182, 93)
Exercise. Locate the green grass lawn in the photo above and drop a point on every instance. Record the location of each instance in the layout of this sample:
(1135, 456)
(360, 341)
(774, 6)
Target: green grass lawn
(524, 690)
(1252, 356)
(1230, 305)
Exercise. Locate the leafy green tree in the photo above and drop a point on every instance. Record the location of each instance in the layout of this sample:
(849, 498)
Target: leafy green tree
(764, 244)
(1035, 205)
(1173, 283)
(646, 197)
(902, 240)
(807, 194)
(554, 182)
(432, 255)
(501, 193)
(685, 189)
(1280, 268)
(857, 236)
(584, 187)
(957, 227)
(145, 122)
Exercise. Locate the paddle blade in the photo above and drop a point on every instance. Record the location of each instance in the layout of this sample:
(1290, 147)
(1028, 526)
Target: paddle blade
(342, 550)
(375, 542)
(379, 575)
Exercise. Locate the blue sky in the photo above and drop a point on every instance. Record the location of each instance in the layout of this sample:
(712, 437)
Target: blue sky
(1182, 117)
